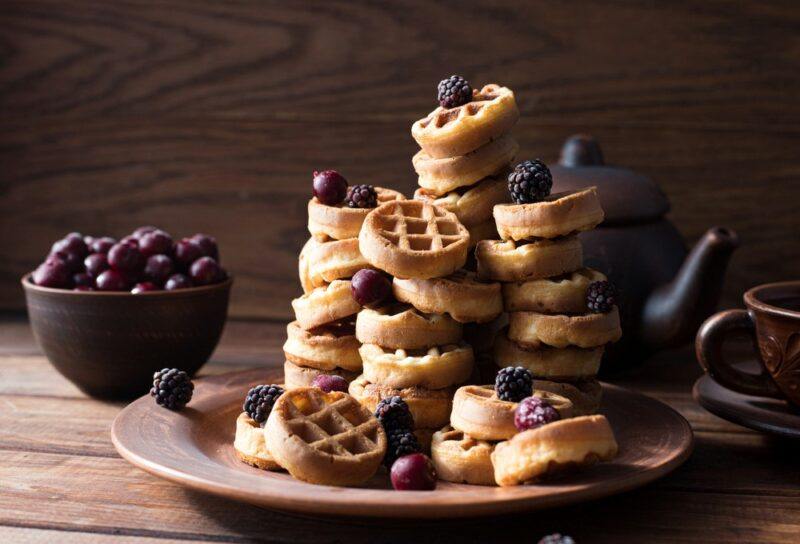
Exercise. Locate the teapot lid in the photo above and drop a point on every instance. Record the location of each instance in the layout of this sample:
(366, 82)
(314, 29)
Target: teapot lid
(626, 197)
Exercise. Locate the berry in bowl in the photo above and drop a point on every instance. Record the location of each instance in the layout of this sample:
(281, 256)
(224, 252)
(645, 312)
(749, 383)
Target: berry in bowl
(109, 313)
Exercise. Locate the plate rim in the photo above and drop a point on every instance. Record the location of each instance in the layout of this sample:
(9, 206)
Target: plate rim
(351, 504)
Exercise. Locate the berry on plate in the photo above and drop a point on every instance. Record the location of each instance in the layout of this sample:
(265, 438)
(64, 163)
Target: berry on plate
(172, 388)
(414, 472)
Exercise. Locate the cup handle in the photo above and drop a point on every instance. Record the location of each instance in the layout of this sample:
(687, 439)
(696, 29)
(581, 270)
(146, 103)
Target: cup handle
(708, 345)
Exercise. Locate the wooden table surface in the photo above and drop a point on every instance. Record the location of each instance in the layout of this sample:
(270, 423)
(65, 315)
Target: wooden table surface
(62, 481)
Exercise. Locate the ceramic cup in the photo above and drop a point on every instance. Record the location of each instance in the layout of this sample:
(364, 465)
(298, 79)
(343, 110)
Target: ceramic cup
(772, 319)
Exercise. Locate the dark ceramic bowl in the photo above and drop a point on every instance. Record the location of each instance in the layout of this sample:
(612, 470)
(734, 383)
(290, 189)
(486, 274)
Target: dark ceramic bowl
(109, 344)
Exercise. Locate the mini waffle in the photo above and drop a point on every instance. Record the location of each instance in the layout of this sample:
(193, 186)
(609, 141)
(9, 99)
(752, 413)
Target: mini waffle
(546, 362)
(450, 132)
(509, 261)
(585, 395)
(461, 295)
(322, 262)
(558, 295)
(585, 331)
(472, 205)
(440, 176)
(462, 459)
(300, 376)
(552, 448)
(431, 368)
(324, 348)
(401, 326)
(414, 239)
(341, 222)
(325, 438)
(249, 444)
(325, 305)
(430, 408)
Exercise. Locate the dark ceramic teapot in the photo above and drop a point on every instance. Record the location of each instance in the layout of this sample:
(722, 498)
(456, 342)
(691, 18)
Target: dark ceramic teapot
(665, 293)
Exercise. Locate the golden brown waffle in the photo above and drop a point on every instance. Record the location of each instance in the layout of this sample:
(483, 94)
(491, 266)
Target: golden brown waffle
(462, 295)
(546, 362)
(472, 205)
(432, 368)
(325, 438)
(322, 262)
(324, 348)
(585, 395)
(564, 294)
(560, 214)
(440, 176)
(552, 448)
(450, 132)
(585, 331)
(401, 326)
(509, 261)
(462, 459)
(479, 413)
(295, 375)
(341, 222)
(430, 408)
(414, 239)
(325, 305)
(249, 444)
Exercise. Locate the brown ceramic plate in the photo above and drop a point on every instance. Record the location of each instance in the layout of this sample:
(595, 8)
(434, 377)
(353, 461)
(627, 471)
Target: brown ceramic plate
(194, 448)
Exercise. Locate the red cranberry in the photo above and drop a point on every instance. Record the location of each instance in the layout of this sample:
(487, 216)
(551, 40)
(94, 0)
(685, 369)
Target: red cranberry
(413, 472)
(158, 268)
(130, 240)
(95, 264)
(330, 383)
(177, 281)
(144, 287)
(534, 412)
(111, 280)
(155, 242)
(52, 273)
(82, 279)
(102, 245)
(370, 286)
(329, 187)
(205, 271)
(141, 231)
(125, 258)
(83, 288)
(187, 252)
(71, 243)
(208, 244)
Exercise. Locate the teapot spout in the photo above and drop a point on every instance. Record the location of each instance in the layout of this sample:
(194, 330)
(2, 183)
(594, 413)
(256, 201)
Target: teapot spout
(674, 311)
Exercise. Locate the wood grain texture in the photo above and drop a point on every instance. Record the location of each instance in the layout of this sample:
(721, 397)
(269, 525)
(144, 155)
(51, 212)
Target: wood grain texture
(201, 116)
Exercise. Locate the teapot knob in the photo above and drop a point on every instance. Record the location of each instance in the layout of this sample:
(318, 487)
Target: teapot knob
(581, 150)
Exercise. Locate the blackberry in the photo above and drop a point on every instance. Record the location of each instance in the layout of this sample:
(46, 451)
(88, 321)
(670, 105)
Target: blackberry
(400, 442)
(513, 383)
(534, 412)
(454, 91)
(259, 401)
(393, 413)
(556, 538)
(530, 181)
(172, 388)
(361, 196)
(601, 297)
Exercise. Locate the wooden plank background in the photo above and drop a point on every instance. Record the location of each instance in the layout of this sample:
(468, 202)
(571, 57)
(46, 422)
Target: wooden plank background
(201, 115)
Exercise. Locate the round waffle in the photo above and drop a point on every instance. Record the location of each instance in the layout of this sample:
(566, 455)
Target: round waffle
(325, 304)
(585, 395)
(472, 205)
(461, 295)
(430, 408)
(479, 413)
(322, 262)
(324, 348)
(552, 448)
(450, 132)
(546, 362)
(325, 438)
(557, 295)
(341, 222)
(249, 444)
(431, 368)
(507, 261)
(559, 214)
(414, 239)
(462, 459)
(400, 326)
(585, 331)
(440, 176)
(300, 376)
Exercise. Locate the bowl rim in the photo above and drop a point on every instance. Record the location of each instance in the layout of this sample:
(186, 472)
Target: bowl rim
(28, 285)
